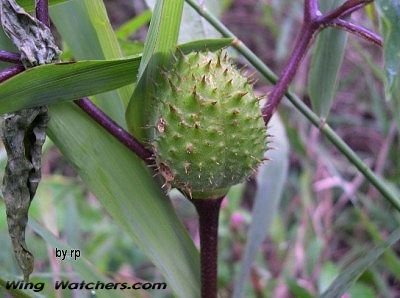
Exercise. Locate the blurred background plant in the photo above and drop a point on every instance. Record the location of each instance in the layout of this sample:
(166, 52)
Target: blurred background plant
(326, 216)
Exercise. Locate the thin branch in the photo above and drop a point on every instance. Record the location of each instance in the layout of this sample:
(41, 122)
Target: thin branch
(42, 11)
(345, 9)
(304, 39)
(357, 30)
(10, 57)
(10, 72)
(114, 129)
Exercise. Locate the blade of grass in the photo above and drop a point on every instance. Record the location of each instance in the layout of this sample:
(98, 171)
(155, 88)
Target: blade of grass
(389, 13)
(130, 27)
(85, 27)
(270, 183)
(350, 275)
(65, 81)
(161, 40)
(127, 191)
(53, 83)
(325, 65)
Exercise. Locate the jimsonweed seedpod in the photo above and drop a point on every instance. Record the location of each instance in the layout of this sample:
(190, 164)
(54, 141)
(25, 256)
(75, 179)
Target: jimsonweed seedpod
(206, 130)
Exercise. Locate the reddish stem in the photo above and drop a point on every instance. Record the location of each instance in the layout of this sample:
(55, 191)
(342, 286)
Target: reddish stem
(345, 9)
(357, 30)
(312, 23)
(208, 211)
(302, 43)
(114, 129)
(6, 56)
(10, 72)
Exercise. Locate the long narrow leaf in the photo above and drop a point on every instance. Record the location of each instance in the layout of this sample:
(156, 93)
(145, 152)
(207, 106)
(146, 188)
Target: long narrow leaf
(161, 40)
(84, 26)
(389, 12)
(53, 83)
(65, 81)
(270, 181)
(325, 65)
(127, 191)
(350, 275)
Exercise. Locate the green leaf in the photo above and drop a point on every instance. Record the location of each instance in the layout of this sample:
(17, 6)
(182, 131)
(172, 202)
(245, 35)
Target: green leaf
(85, 27)
(325, 65)
(193, 25)
(389, 12)
(127, 191)
(65, 81)
(350, 275)
(52, 83)
(205, 45)
(29, 5)
(161, 40)
(297, 290)
(270, 181)
(130, 27)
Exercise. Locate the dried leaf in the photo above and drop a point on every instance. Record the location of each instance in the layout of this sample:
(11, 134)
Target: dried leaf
(23, 134)
(32, 38)
(24, 131)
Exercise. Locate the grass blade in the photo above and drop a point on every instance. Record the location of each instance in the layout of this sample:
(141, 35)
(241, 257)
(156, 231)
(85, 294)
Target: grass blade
(125, 188)
(325, 65)
(52, 83)
(85, 27)
(270, 180)
(161, 40)
(65, 81)
(130, 27)
(350, 275)
(389, 12)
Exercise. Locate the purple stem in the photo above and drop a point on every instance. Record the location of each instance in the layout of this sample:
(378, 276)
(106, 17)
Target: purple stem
(6, 56)
(302, 43)
(114, 129)
(311, 9)
(312, 23)
(357, 30)
(345, 9)
(42, 11)
(208, 211)
(10, 72)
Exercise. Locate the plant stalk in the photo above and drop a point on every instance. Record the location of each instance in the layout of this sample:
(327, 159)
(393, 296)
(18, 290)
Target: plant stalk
(208, 211)
(10, 72)
(10, 57)
(114, 129)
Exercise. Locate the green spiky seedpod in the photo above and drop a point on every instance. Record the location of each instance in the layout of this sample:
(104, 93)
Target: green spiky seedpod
(206, 130)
